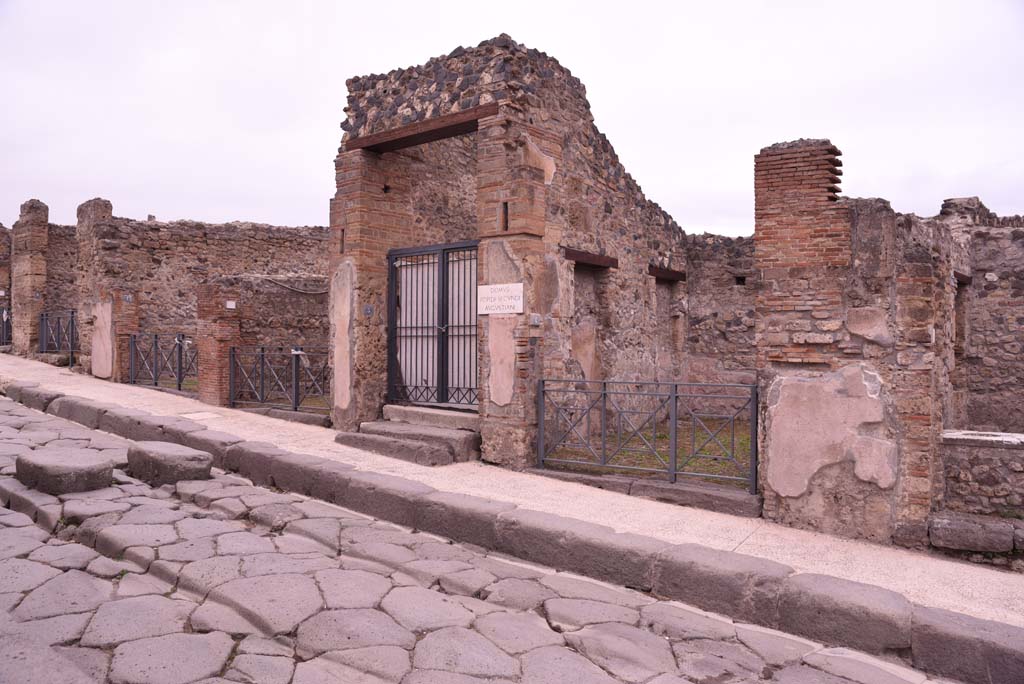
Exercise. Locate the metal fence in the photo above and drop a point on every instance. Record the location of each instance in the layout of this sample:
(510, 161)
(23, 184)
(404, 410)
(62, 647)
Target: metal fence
(58, 334)
(296, 379)
(649, 428)
(163, 361)
(5, 326)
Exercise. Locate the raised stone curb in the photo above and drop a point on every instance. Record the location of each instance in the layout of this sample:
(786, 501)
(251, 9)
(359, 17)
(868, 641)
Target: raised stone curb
(160, 463)
(832, 611)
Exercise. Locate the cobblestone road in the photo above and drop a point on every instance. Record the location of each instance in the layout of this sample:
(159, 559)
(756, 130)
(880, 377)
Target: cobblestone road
(219, 581)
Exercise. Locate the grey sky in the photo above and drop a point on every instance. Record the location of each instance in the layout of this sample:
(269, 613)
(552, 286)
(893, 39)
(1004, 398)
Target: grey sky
(224, 110)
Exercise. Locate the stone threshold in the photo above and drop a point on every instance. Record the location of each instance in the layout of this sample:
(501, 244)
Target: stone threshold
(826, 609)
(705, 495)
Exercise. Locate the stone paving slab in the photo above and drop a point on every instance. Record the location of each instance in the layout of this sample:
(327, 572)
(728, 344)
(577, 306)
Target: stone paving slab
(155, 586)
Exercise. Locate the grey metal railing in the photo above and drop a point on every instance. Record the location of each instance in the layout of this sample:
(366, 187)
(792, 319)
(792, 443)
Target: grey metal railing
(163, 361)
(291, 378)
(690, 429)
(58, 333)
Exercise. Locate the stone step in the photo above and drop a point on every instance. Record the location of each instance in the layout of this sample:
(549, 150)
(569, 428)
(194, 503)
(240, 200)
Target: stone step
(405, 449)
(434, 417)
(463, 444)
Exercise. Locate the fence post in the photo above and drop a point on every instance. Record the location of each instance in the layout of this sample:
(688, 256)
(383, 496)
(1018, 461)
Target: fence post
(231, 377)
(540, 423)
(42, 333)
(72, 334)
(604, 423)
(673, 435)
(155, 361)
(295, 378)
(753, 438)
(179, 343)
(263, 374)
(131, 359)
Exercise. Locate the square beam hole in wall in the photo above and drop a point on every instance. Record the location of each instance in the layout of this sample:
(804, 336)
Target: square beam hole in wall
(741, 280)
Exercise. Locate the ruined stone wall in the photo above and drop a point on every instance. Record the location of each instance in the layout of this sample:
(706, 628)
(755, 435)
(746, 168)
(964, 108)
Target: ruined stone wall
(994, 309)
(984, 476)
(162, 263)
(720, 310)
(61, 258)
(5, 267)
(283, 312)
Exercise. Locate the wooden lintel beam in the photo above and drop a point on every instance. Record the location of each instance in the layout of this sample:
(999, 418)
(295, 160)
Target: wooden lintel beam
(588, 259)
(429, 130)
(962, 278)
(666, 274)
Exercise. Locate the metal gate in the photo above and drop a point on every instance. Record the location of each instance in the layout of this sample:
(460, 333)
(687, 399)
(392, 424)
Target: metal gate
(432, 325)
(167, 361)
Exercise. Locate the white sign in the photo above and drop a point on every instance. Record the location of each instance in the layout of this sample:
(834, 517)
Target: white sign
(230, 304)
(499, 299)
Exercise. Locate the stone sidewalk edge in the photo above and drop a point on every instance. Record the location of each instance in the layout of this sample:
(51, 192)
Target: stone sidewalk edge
(827, 609)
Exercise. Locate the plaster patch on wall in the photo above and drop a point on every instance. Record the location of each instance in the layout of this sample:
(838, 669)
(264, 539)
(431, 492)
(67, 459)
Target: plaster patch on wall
(535, 157)
(500, 266)
(501, 346)
(814, 422)
(584, 348)
(102, 354)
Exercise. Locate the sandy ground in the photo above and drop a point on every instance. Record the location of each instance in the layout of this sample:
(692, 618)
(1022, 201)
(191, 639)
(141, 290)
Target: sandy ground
(924, 578)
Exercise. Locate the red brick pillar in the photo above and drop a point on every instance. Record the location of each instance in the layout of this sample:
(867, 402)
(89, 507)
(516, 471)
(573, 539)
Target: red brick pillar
(217, 330)
(516, 163)
(125, 319)
(29, 241)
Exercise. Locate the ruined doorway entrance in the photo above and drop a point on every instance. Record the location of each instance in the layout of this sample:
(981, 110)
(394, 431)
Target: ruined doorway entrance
(432, 325)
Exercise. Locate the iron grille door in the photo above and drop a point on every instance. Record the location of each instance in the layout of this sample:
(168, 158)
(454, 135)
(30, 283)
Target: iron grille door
(432, 325)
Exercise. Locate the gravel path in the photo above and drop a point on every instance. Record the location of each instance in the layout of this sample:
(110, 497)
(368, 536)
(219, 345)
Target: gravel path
(217, 581)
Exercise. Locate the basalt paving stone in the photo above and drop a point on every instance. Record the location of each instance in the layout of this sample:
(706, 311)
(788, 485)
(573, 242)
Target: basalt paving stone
(571, 614)
(629, 653)
(352, 588)
(262, 669)
(335, 630)
(187, 551)
(463, 651)
(61, 629)
(170, 659)
(136, 618)
(517, 632)
(19, 575)
(116, 538)
(558, 665)
(275, 603)
(567, 586)
(421, 610)
(518, 593)
(70, 592)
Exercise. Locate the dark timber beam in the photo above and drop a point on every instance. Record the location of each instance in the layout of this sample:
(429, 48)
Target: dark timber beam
(437, 128)
(962, 278)
(660, 273)
(588, 259)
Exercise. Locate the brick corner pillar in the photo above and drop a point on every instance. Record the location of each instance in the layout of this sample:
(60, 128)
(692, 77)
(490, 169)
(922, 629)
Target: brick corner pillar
(369, 215)
(29, 241)
(5, 268)
(124, 322)
(515, 164)
(217, 331)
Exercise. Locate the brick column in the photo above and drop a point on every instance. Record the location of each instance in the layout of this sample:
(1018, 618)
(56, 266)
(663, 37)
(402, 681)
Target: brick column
(369, 215)
(5, 267)
(125, 320)
(29, 240)
(217, 330)
(515, 165)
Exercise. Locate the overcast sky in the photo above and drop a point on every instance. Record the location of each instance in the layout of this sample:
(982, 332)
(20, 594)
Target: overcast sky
(225, 110)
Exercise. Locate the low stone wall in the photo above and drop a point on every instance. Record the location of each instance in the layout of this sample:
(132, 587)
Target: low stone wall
(984, 472)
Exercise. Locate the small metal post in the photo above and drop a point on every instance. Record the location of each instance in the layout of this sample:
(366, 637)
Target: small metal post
(72, 340)
(753, 438)
(179, 371)
(295, 379)
(263, 375)
(131, 359)
(540, 423)
(604, 423)
(673, 416)
(155, 361)
(42, 332)
(231, 377)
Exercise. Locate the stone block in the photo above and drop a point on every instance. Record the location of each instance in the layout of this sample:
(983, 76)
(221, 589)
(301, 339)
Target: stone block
(160, 463)
(300, 417)
(384, 496)
(733, 584)
(966, 648)
(332, 482)
(965, 532)
(37, 397)
(119, 420)
(253, 460)
(63, 470)
(568, 544)
(463, 518)
(838, 611)
(297, 473)
(78, 409)
(14, 390)
(214, 442)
